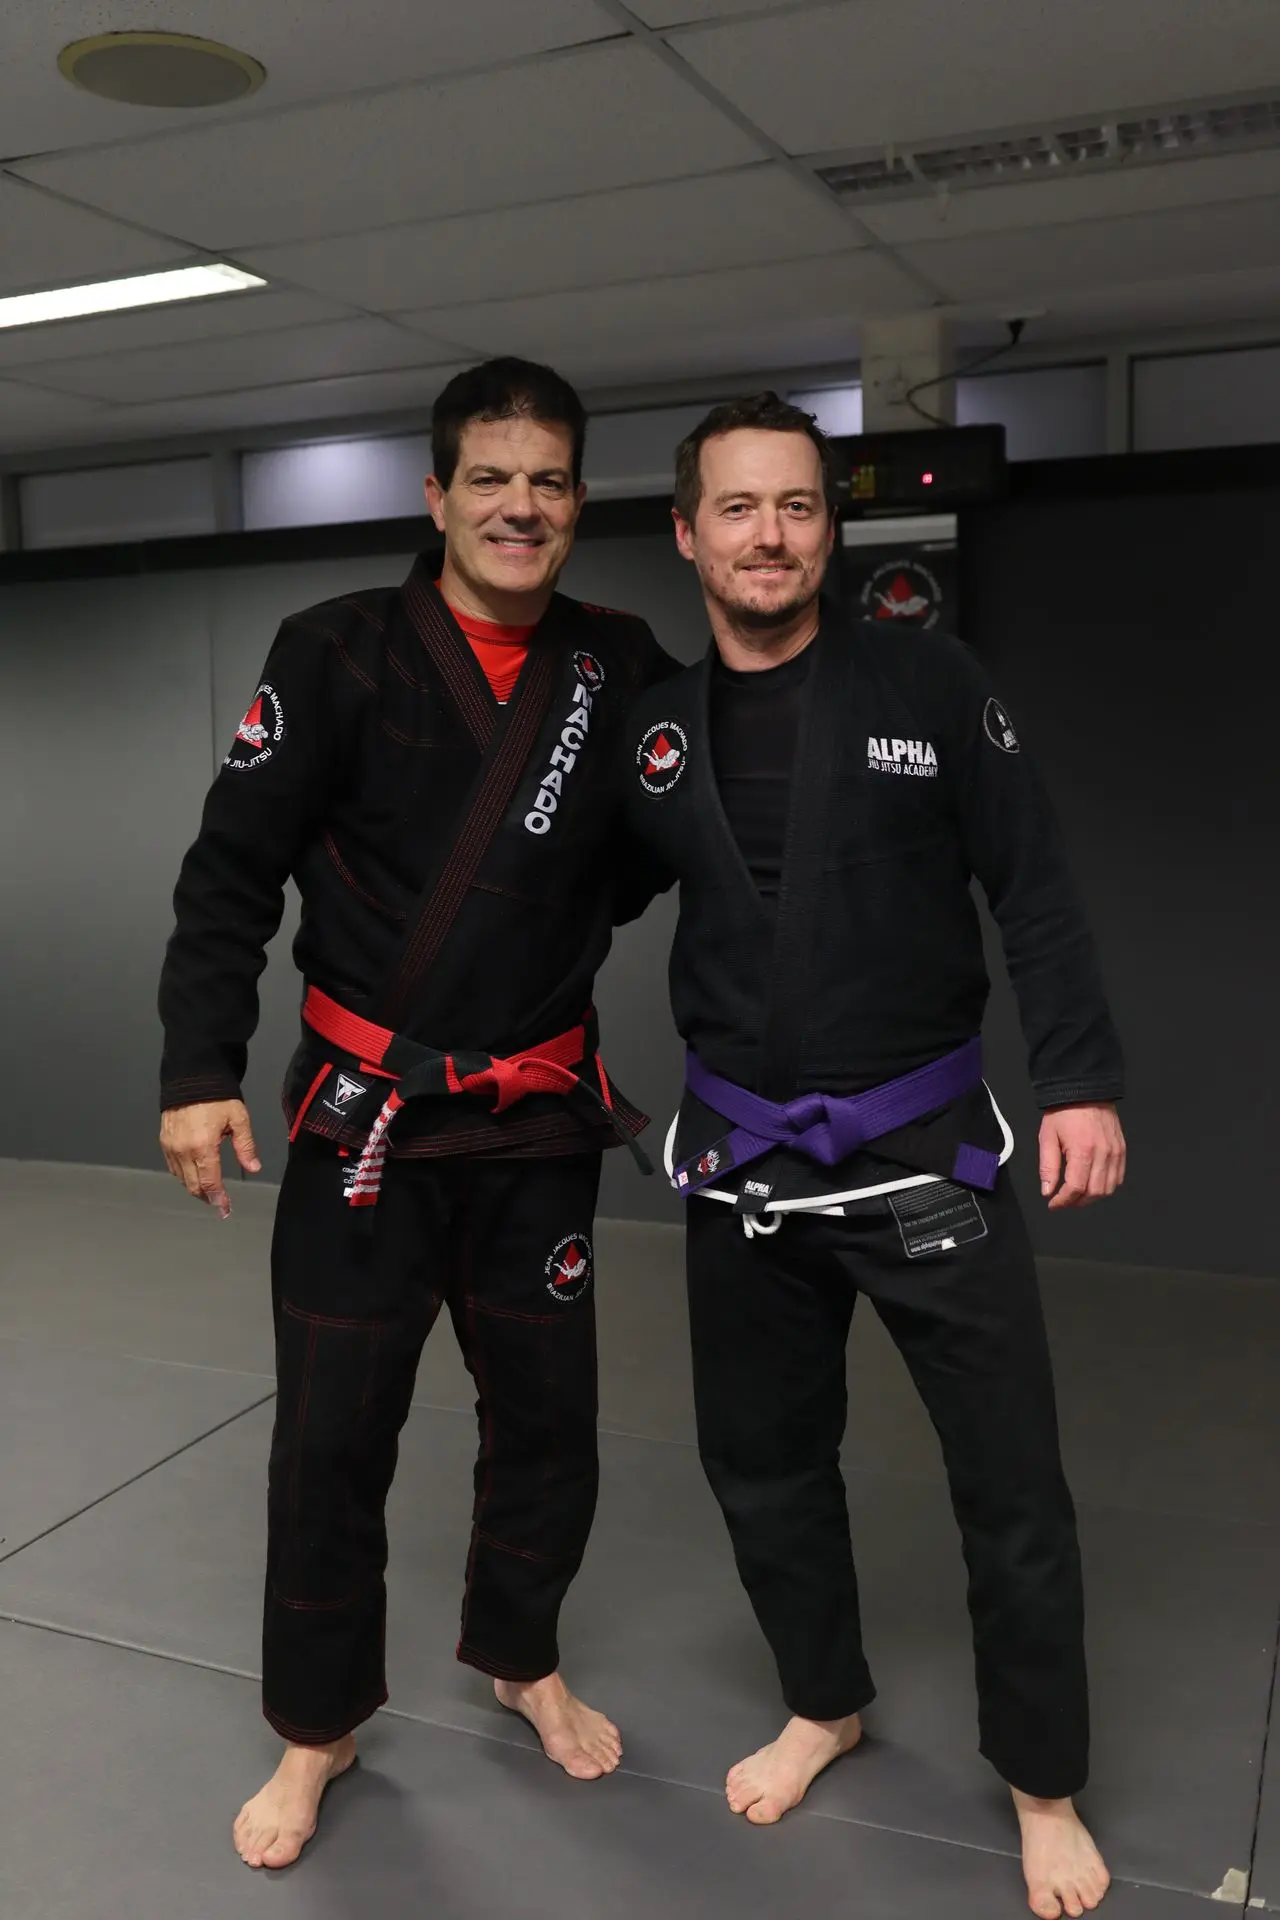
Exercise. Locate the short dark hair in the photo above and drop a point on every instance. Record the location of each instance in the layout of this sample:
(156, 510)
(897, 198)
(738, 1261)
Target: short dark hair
(753, 410)
(503, 389)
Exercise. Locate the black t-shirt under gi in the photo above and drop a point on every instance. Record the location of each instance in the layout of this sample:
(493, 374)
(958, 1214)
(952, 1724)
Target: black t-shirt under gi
(755, 721)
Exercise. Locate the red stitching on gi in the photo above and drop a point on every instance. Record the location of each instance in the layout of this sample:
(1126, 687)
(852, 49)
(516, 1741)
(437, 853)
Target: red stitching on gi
(308, 1097)
(303, 1400)
(530, 1319)
(328, 633)
(345, 873)
(327, 1320)
(486, 1411)
(504, 1546)
(484, 1664)
(358, 606)
(321, 1736)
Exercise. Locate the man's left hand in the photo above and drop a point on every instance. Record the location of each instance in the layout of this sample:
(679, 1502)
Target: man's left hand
(1084, 1149)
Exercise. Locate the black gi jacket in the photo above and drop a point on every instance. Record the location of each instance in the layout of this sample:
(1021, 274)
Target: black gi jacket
(357, 770)
(909, 780)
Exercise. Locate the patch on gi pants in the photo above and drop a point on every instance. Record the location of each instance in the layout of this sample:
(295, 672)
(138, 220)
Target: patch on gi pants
(937, 1218)
(259, 733)
(569, 1267)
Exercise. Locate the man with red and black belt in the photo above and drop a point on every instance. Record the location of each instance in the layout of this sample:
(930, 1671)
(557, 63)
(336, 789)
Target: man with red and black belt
(436, 767)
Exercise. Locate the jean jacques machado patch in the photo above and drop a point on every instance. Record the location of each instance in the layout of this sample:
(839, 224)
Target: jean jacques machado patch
(259, 733)
(661, 756)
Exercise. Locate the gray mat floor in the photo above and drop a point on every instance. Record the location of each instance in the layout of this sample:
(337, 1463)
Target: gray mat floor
(135, 1405)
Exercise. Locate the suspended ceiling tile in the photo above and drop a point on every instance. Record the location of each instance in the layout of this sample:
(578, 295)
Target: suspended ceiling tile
(1029, 264)
(677, 13)
(679, 226)
(849, 285)
(606, 116)
(739, 356)
(328, 351)
(44, 242)
(871, 71)
(27, 413)
(325, 405)
(310, 48)
(1057, 203)
(226, 313)
(1213, 299)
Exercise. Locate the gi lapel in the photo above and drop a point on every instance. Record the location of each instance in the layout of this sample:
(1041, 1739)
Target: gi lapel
(796, 930)
(506, 736)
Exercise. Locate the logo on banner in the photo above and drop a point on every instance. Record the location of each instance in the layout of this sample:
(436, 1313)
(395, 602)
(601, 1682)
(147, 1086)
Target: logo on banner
(998, 727)
(259, 733)
(590, 672)
(916, 758)
(568, 1268)
(661, 756)
(904, 592)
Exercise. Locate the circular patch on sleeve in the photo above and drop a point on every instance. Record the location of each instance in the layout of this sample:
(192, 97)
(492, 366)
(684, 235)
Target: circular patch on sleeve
(661, 756)
(998, 727)
(259, 733)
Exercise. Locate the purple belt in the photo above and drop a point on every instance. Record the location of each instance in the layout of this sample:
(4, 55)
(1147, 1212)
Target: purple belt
(828, 1127)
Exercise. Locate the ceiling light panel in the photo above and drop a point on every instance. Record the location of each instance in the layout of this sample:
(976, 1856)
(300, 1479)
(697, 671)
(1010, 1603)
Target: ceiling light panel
(1207, 131)
(111, 296)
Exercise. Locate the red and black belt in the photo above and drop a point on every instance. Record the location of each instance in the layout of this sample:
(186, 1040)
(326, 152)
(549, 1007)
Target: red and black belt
(414, 1070)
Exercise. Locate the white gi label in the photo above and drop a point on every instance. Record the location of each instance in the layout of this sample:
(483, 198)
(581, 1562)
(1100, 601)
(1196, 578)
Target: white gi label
(937, 1218)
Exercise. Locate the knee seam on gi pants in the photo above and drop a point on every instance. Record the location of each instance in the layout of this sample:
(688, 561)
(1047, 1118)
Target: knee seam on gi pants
(524, 1553)
(329, 1320)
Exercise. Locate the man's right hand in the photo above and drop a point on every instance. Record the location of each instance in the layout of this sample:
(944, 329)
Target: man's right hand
(191, 1139)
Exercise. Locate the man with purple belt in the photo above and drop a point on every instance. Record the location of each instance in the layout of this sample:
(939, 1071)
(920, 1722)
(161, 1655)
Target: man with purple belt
(825, 791)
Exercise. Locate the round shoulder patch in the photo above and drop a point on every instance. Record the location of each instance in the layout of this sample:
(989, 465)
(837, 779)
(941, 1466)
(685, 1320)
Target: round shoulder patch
(590, 671)
(259, 733)
(998, 727)
(661, 756)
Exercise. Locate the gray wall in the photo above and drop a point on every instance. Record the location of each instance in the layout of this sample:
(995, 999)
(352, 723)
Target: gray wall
(1133, 639)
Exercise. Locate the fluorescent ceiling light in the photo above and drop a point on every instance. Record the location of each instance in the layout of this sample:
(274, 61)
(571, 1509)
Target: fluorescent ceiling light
(111, 296)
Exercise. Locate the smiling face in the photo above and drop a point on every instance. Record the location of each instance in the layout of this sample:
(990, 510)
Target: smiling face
(508, 517)
(762, 532)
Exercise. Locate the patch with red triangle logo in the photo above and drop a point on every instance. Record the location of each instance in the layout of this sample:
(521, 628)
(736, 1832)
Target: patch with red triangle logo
(259, 733)
(569, 1268)
(903, 593)
(661, 756)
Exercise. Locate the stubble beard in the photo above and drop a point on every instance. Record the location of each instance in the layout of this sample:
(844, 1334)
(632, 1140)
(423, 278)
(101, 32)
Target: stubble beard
(757, 618)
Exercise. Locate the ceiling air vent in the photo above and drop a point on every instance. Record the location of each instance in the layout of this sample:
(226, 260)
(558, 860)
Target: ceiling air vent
(1142, 138)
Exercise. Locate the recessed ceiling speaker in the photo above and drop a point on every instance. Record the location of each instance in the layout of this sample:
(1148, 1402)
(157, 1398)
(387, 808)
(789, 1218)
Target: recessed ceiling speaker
(160, 69)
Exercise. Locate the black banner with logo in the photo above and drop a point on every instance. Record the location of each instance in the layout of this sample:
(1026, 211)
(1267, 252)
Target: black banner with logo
(899, 582)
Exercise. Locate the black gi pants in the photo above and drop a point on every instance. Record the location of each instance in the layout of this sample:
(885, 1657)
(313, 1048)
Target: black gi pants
(770, 1320)
(507, 1245)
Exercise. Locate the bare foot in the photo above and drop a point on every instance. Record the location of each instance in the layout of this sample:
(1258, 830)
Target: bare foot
(277, 1823)
(575, 1736)
(777, 1778)
(1065, 1872)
